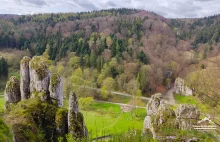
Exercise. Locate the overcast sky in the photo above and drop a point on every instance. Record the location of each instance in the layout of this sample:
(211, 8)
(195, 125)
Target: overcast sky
(166, 8)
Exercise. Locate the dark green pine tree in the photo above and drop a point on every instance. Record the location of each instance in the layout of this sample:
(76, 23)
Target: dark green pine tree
(3, 68)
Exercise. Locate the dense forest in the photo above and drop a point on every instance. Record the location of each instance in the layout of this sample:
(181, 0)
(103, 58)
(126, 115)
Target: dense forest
(111, 58)
(118, 49)
(3, 68)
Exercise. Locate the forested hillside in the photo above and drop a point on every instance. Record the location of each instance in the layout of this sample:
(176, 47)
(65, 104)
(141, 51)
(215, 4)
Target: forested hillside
(118, 49)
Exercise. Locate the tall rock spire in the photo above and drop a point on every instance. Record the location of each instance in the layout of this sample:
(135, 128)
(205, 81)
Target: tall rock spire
(25, 78)
(56, 89)
(12, 91)
(39, 77)
(76, 125)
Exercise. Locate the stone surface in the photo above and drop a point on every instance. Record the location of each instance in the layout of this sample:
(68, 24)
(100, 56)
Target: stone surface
(73, 102)
(76, 125)
(148, 127)
(61, 122)
(39, 76)
(56, 89)
(159, 116)
(39, 110)
(187, 116)
(25, 78)
(154, 104)
(181, 88)
(12, 91)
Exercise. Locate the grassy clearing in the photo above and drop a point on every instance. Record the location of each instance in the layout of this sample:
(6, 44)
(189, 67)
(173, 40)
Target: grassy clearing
(180, 99)
(107, 119)
(1, 101)
(204, 109)
(14, 73)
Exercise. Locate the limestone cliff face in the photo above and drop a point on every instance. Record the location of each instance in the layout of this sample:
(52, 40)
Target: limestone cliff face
(56, 89)
(40, 109)
(25, 78)
(181, 88)
(39, 76)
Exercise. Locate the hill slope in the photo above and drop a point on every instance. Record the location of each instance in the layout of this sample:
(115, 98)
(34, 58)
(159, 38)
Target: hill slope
(132, 49)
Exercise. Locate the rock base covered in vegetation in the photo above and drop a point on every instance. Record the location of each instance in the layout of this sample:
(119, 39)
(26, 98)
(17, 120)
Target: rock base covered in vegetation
(164, 123)
(34, 111)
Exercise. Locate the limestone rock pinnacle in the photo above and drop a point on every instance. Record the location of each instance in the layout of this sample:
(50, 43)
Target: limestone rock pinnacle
(56, 89)
(39, 76)
(12, 91)
(25, 78)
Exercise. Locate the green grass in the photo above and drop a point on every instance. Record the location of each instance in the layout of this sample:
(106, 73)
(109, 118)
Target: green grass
(107, 119)
(1, 101)
(14, 73)
(180, 99)
(204, 109)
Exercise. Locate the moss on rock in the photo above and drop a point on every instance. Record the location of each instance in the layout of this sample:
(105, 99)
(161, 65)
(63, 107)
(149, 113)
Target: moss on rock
(164, 119)
(13, 85)
(61, 123)
(39, 65)
(61, 117)
(12, 92)
(5, 134)
(25, 61)
(54, 81)
(32, 120)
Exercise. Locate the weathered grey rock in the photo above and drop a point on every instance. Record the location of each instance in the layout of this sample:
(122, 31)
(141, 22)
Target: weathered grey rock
(159, 115)
(76, 125)
(62, 122)
(181, 88)
(148, 127)
(154, 103)
(12, 92)
(73, 102)
(25, 78)
(187, 116)
(59, 121)
(56, 89)
(188, 91)
(39, 76)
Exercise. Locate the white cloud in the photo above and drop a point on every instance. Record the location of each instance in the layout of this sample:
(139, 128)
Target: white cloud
(166, 8)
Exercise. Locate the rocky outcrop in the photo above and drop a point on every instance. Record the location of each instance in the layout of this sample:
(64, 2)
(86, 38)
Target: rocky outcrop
(56, 89)
(25, 78)
(40, 109)
(187, 116)
(39, 76)
(181, 88)
(12, 91)
(62, 122)
(76, 125)
(154, 103)
(161, 116)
